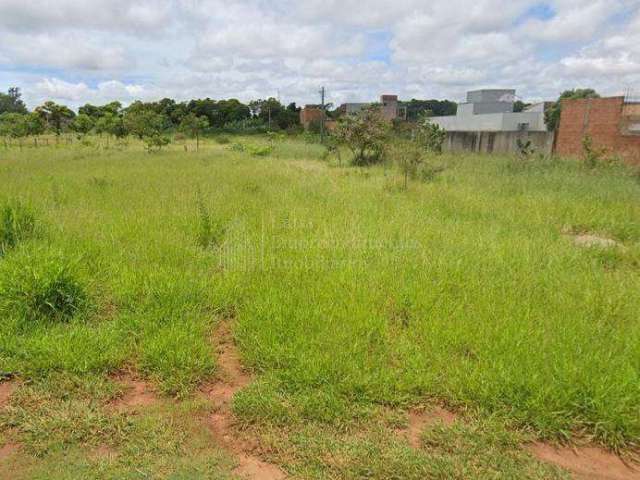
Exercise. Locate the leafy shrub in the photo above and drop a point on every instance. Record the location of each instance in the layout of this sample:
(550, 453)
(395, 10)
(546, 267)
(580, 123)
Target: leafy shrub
(39, 286)
(222, 140)
(17, 223)
(236, 147)
(431, 136)
(524, 149)
(311, 138)
(156, 142)
(260, 151)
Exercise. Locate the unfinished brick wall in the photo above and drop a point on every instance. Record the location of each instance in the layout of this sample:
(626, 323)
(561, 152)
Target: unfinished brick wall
(309, 115)
(604, 121)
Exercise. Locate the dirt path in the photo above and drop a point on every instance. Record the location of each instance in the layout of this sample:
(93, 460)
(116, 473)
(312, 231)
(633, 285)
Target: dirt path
(586, 463)
(6, 389)
(419, 420)
(232, 378)
(137, 393)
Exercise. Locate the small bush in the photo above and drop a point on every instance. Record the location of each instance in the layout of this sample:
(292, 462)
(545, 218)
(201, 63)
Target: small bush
(17, 223)
(222, 140)
(592, 156)
(260, 151)
(154, 143)
(431, 136)
(525, 149)
(236, 147)
(210, 233)
(41, 287)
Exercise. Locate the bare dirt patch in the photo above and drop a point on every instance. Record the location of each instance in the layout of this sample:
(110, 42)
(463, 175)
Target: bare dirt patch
(590, 240)
(137, 394)
(586, 463)
(7, 450)
(6, 389)
(103, 452)
(586, 239)
(419, 420)
(231, 378)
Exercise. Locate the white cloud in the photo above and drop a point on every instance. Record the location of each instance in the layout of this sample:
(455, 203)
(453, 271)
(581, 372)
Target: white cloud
(95, 50)
(109, 15)
(576, 21)
(63, 50)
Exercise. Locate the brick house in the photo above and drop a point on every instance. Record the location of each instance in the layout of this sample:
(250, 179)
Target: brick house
(310, 114)
(612, 123)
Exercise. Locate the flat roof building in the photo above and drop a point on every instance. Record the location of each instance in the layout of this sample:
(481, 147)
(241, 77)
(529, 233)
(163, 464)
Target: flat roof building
(491, 110)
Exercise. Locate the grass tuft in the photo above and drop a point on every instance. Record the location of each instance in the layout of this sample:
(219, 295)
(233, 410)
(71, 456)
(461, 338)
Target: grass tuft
(210, 232)
(17, 223)
(39, 286)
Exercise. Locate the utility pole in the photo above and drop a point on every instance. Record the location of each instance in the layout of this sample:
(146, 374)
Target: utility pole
(322, 95)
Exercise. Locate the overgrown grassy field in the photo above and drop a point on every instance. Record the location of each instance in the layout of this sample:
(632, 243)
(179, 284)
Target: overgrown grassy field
(351, 299)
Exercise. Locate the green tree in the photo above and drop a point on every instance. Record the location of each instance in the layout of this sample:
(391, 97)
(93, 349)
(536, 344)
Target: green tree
(83, 124)
(193, 126)
(57, 117)
(14, 125)
(11, 102)
(274, 114)
(35, 124)
(437, 108)
(364, 134)
(97, 112)
(552, 115)
(112, 125)
(143, 122)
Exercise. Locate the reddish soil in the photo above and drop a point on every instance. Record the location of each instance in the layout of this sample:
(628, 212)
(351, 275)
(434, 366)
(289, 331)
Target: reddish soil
(138, 393)
(231, 378)
(7, 450)
(6, 389)
(103, 452)
(586, 463)
(421, 419)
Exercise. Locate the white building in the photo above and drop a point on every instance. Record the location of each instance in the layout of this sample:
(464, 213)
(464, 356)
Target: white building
(492, 111)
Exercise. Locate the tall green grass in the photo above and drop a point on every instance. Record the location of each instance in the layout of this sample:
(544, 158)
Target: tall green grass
(347, 290)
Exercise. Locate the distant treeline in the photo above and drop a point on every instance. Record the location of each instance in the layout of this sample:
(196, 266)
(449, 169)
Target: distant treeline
(151, 118)
(164, 115)
(434, 108)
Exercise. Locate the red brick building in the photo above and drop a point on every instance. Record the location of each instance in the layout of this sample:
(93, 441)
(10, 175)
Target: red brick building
(311, 114)
(611, 123)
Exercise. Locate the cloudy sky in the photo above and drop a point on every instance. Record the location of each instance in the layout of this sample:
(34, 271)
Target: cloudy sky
(77, 51)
